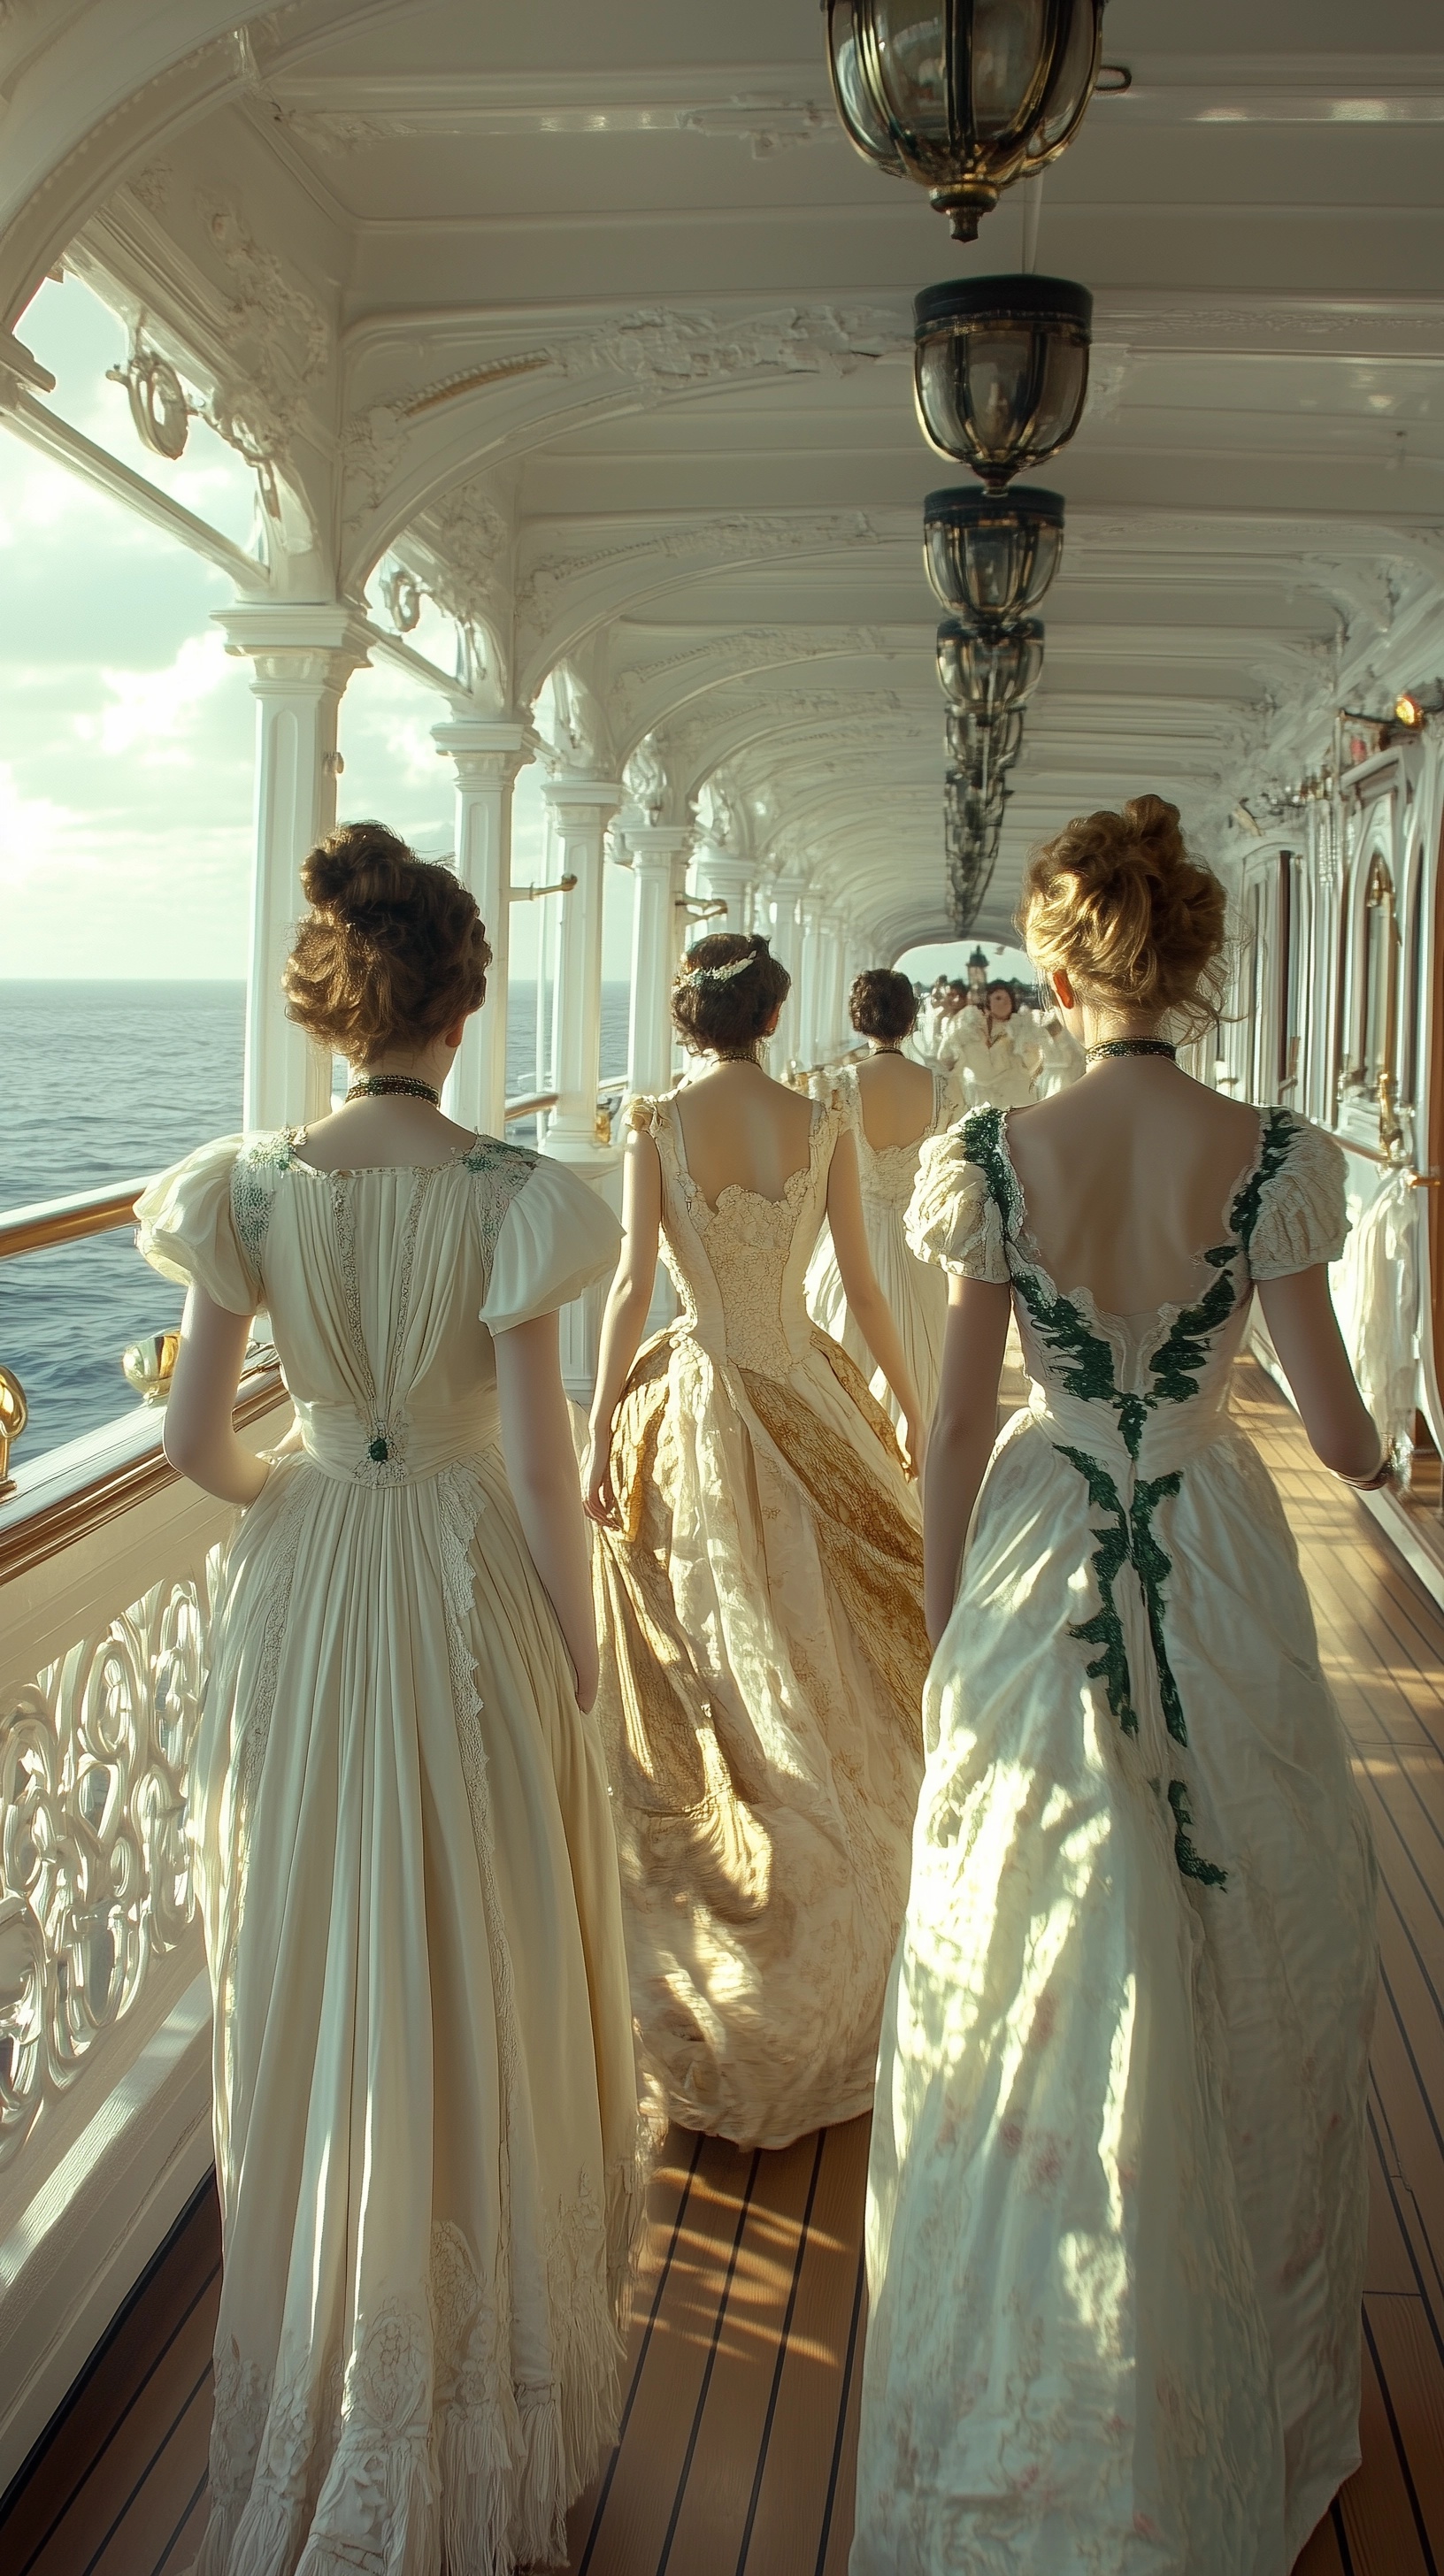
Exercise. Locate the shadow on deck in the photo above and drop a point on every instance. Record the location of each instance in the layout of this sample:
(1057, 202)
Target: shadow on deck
(740, 2430)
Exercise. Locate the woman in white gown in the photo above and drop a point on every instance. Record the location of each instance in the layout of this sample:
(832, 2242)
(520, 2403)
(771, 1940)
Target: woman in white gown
(994, 1051)
(892, 1107)
(425, 2097)
(1117, 2195)
(759, 1593)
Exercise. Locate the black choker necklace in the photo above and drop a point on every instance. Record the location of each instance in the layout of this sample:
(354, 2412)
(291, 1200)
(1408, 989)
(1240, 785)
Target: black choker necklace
(1129, 1046)
(374, 1086)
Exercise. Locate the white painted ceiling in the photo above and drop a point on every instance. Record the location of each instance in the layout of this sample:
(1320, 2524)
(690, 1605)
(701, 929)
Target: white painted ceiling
(593, 310)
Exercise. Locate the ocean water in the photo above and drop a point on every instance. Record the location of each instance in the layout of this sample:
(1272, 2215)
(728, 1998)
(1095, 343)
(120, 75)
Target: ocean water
(109, 1083)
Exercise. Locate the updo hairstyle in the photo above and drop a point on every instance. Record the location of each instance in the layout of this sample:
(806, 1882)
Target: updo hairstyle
(1134, 923)
(882, 1004)
(999, 986)
(392, 952)
(727, 991)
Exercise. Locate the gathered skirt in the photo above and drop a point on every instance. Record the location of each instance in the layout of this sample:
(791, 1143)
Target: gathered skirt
(764, 1655)
(426, 2121)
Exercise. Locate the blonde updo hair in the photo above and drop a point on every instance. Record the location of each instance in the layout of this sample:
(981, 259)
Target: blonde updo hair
(1116, 903)
(392, 952)
(728, 991)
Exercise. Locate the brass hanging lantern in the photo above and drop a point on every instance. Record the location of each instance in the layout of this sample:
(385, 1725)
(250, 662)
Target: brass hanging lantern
(988, 671)
(991, 554)
(963, 96)
(1000, 369)
(982, 747)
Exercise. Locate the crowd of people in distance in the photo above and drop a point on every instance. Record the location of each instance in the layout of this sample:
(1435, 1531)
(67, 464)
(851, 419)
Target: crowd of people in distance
(814, 1746)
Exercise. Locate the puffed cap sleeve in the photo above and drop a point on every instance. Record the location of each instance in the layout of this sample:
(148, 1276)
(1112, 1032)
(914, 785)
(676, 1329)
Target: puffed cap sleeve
(1302, 1219)
(953, 1220)
(186, 1228)
(556, 1238)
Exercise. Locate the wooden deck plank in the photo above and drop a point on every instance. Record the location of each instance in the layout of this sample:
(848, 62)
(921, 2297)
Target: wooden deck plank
(121, 2409)
(711, 2521)
(792, 2495)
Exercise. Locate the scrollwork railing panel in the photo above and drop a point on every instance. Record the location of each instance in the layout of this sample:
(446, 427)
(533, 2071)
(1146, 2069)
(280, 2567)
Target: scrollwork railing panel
(95, 1866)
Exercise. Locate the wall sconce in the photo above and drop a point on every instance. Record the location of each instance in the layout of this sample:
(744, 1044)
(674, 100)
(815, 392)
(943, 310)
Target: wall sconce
(1416, 705)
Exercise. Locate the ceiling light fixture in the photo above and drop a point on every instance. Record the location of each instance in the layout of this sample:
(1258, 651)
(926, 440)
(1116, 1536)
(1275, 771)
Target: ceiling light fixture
(991, 554)
(962, 96)
(1000, 369)
(989, 672)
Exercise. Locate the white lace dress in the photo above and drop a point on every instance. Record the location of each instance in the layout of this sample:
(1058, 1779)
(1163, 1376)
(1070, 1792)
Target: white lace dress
(1117, 2198)
(997, 1062)
(915, 1290)
(764, 1655)
(425, 2101)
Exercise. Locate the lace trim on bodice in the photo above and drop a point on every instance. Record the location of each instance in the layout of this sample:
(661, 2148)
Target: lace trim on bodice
(745, 1240)
(887, 1174)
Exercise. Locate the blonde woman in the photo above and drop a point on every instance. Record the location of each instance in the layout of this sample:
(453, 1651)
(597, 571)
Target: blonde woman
(1117, 2192)
(425, 2100)
(759, 1590)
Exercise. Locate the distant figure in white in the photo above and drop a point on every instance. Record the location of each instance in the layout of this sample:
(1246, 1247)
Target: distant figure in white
(1117, 2200)
(892, 1106)
(425, 2102)
(995, 1049)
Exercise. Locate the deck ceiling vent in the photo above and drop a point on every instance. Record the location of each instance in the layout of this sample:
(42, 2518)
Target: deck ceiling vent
(962, 96)
(1000, 369)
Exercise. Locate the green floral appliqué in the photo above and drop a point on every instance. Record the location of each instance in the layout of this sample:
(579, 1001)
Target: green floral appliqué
(1085, 1369)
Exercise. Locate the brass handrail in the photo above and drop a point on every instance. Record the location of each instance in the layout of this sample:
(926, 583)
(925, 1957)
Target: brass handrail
(528, 1108)
(1390, 1163)
(47, 1222)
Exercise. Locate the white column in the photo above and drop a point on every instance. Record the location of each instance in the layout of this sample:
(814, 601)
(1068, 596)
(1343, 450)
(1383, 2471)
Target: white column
(657, 853)
(581, 809)
(302, 656)
(787, 946)
(719, 876)
(809, 1017)
(831, 990)
(488, 752)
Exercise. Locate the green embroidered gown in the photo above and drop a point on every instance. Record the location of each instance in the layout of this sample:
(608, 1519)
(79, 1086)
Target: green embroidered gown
(1117, 2194)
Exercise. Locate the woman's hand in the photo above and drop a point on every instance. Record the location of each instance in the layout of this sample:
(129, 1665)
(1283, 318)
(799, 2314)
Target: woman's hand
(599, 1500)
(913, 1442)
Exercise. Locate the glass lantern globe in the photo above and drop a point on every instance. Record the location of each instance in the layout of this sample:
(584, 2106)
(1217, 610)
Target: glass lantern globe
(971, 811)
(1000, 369)
(989, 671)
(963, 96)
(982, 747)
(991, 554)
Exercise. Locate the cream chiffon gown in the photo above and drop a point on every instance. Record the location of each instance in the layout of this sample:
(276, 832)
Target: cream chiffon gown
(764, 1656)
(1117, 2198)
(425, 2101)
(916, 1292)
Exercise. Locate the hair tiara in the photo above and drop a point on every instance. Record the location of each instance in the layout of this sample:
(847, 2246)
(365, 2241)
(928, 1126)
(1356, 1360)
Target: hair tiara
(689, 974)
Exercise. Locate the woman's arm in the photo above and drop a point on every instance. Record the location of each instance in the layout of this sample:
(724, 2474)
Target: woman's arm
(960, 1442)
(541, 1466)
(624, 1318)
(866, 1303)
(1303, 1328)
(200, 1435)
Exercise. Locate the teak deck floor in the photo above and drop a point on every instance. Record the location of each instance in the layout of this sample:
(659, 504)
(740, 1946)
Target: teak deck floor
(739, 2436)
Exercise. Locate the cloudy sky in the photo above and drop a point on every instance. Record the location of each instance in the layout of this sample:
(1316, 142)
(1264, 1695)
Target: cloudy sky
(125, 727)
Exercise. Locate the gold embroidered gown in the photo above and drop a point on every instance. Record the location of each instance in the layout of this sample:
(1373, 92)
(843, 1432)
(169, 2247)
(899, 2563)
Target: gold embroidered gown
(425, 2098)
(764, 1657)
